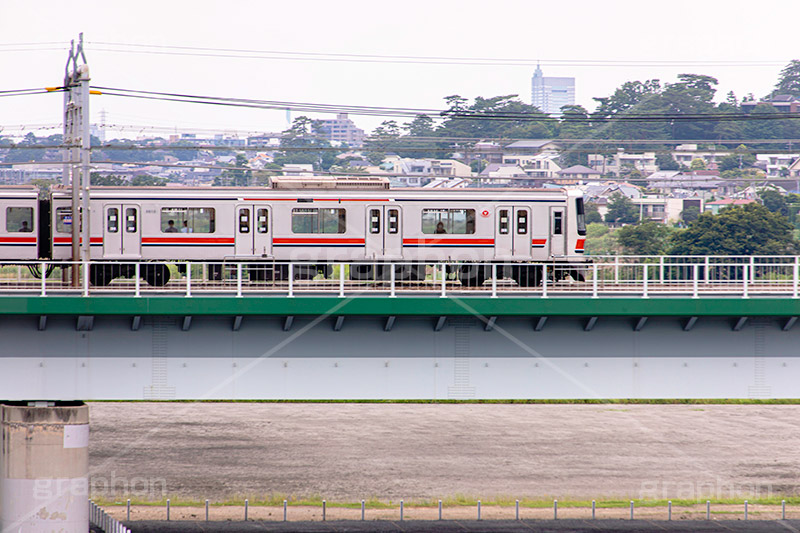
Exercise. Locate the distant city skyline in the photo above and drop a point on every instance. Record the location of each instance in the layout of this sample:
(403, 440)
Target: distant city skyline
(550, 94)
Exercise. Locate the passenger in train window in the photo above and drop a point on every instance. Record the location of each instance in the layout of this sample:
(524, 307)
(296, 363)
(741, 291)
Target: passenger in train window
(171, 227)
(25, 227)
(440, 228)
(186, 228)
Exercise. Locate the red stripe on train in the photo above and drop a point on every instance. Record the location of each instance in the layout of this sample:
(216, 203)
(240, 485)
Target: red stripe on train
(580, 244)
(317, 200)
(540, 242)
(62, 240)
(187, 240)
(8, 240)
(448, 241)
(316, 240)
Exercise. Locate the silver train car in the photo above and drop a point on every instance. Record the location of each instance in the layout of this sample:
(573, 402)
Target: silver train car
(268, 228)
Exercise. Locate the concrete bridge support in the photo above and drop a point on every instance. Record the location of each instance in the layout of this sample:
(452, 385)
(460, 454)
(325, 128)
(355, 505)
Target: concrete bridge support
(45, 467)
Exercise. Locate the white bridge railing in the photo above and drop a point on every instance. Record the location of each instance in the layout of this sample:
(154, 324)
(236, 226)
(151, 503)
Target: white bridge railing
(637, 276)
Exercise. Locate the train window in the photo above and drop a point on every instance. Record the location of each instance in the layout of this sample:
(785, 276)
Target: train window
(503, 222)
(315, 220)
(558, 223)
(581, 216)
(394, 220)
(262, 220)
(188, 220)
(374, 221)
(64, 219)
(130, 220)
(522, 221)
(19, 219)
(455, 221)
(112, 220)
(244, 220)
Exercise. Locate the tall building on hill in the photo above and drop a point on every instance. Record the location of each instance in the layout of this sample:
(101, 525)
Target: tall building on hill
(550, 94)
(342, 129)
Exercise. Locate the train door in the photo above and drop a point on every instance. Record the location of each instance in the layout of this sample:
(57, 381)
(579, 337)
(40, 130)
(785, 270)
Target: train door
(122, 231)
(384, 236)
(512, 232)
(253, 231)
(558, 229)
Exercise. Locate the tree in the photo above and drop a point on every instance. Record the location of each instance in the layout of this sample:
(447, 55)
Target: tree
(665, 161)
(648, 238)
(146, 180)
(592, 213)
(751, 229)
(574, 124)
(621, 210)
(789, 80)
(774, 201)
(698, 164)
(239, 177)
(301, 144)
(690, 214)
(741, 158)
(107, 180)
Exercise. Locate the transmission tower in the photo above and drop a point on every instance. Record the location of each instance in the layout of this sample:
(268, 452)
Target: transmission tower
(77, 152)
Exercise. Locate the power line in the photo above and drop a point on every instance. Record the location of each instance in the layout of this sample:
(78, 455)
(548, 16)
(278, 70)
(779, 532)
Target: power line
(415, 59)
(590, 118)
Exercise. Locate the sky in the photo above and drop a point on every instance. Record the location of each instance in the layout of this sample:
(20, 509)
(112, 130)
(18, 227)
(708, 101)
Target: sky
(601, 44)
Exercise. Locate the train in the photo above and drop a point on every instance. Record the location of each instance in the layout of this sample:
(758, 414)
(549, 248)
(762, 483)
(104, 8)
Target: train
(373, 230)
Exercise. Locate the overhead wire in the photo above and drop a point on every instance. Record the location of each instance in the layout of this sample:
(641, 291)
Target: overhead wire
(441, 114)
(416, 59)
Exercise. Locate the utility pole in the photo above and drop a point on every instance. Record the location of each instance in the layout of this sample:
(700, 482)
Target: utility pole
(78, 147)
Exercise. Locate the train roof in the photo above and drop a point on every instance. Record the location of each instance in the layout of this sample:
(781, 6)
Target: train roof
(266, 194)
(19, 191)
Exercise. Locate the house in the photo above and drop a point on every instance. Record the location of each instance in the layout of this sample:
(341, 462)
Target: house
(665, 210)
(684, 154)
(700, 183)
(783, 103)
(575, 174)
(532, 146)
(542, 166)
(616, 164)
(715, 206)
(777, 165)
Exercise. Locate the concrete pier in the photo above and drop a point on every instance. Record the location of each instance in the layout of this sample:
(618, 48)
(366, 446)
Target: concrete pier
(45, 466)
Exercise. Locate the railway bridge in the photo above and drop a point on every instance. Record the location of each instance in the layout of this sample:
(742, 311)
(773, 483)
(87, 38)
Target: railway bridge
(627, 327)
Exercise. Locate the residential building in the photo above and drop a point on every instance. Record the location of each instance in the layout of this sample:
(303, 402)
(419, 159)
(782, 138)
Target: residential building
(777, 165)
(684, 154)
(783, 103)
(702, 183)
(617, 164)
(665, 210)
(342, 129)
(484, 151)
(550, 94)
(715, 206)
(576, 174)
(529, 147)
(540, 166)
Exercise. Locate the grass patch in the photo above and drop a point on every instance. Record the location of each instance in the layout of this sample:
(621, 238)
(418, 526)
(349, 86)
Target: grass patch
(615, 401)
(457, 500)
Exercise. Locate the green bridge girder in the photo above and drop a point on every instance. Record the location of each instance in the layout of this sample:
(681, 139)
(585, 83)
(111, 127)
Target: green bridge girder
(400, 306)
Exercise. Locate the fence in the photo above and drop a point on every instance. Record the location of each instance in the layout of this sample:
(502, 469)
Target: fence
(637, 276)
(102, 520)
(99, 518)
